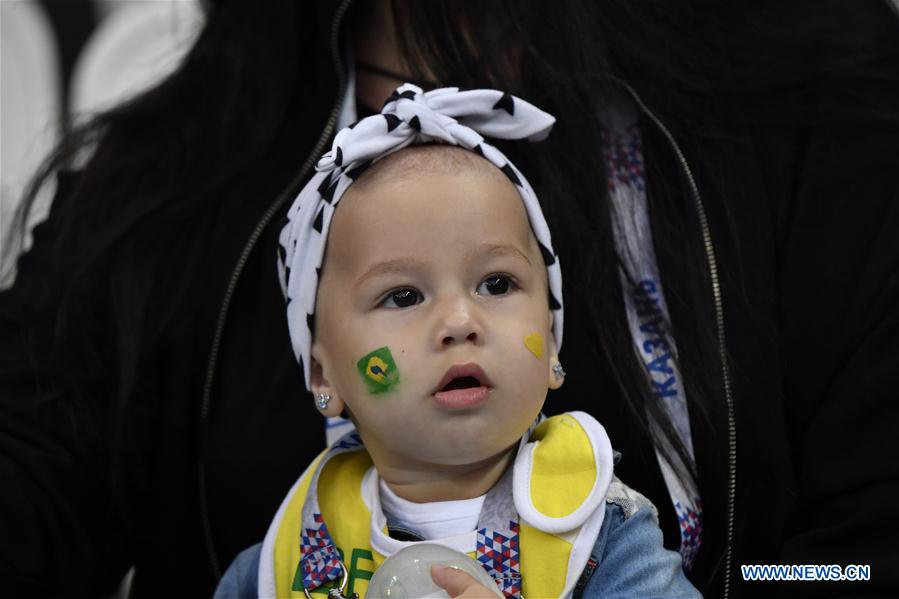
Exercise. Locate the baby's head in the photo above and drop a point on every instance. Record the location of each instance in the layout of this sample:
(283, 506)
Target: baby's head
(433, 326)
(432, 320)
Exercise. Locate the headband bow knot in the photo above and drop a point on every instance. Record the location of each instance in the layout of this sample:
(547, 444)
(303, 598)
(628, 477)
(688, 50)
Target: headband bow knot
(410, 116)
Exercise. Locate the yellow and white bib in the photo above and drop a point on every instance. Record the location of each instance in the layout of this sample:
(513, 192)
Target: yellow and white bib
(535, 534)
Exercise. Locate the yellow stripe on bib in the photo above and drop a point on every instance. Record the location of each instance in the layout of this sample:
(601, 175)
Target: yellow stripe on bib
(287, 541)
(564, 469)
(544, 563)
(348, 518)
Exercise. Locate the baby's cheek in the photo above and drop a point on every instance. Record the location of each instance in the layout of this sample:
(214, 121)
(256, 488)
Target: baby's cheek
(530, 356)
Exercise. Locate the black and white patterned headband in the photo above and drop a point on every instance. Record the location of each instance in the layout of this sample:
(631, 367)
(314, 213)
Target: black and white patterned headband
(409, 117)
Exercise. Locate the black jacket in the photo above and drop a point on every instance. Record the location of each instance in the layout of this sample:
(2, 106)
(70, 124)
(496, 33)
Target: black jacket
(808, 265)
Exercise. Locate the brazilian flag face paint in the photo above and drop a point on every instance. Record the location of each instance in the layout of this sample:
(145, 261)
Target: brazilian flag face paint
(378, 370)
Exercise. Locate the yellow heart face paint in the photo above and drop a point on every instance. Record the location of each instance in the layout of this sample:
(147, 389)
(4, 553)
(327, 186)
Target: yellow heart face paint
(378, 370)
(534, 343)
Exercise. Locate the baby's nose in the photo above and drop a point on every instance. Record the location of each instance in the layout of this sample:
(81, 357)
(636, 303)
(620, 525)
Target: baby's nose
(460, 326)
(451, 339)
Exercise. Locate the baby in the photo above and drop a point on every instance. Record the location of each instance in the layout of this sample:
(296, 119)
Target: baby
(428, 309)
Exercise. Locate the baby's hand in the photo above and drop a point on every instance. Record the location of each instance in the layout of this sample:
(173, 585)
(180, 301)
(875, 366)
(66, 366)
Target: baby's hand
(459, 584)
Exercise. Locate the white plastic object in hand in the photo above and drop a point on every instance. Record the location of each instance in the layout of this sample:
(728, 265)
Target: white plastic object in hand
(407, 573)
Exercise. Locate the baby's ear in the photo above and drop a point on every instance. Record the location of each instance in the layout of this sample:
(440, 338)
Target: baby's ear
(556, 373)
(327, 400)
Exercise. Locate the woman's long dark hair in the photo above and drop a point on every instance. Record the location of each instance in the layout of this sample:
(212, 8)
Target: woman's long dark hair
(161, 160)
(568, 58)
(133, 224)
(694, 64)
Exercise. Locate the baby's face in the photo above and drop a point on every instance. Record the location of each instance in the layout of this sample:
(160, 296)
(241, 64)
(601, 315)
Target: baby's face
(432, 319)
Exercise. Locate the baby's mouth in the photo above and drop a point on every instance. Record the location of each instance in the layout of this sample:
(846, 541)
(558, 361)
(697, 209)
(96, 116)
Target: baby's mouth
(463, 386)
(465, 382)
(462, 376)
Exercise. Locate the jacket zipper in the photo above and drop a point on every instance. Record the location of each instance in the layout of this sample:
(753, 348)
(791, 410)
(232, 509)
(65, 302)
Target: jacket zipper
(719, 329)
(238, 269)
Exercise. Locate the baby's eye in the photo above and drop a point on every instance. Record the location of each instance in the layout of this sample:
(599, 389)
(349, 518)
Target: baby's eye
(401, 298)
(495, 285)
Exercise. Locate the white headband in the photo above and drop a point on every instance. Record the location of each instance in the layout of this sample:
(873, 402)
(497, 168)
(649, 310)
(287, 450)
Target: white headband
(409, 117)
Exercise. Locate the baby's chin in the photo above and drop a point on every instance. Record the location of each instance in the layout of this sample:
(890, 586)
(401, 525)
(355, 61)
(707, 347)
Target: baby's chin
(430, 440)
(459, 451)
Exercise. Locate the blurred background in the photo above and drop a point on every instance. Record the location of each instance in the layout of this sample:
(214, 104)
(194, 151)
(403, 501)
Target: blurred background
(64, 60)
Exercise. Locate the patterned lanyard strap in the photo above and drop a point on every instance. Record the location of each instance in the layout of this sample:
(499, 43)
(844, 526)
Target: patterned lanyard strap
(646, 307)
